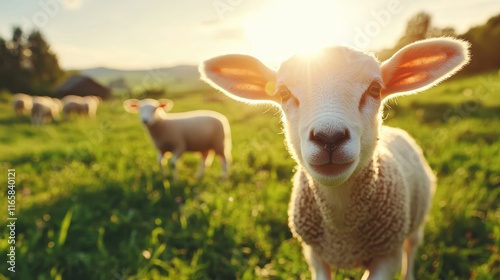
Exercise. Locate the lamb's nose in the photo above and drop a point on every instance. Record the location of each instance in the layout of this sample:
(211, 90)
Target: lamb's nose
(329, 140)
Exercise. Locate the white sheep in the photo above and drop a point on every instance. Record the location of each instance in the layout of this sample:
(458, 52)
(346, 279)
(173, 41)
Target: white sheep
(22, 104)
(45, 109)
(92, 103)
(362, 191)
(77, 105)
(194, 131)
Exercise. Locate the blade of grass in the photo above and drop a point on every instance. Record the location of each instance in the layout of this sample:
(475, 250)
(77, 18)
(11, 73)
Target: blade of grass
(63, 233)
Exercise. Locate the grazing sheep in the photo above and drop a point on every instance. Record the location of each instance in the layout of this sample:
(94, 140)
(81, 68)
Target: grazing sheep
(362, 191)
(74, 105)
(22, 104)
(45, 109)
(195, 131)
(92, 103)
(77, 105)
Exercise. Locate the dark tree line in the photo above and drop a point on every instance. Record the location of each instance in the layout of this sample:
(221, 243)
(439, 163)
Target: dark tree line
(485, 40)
(27, 64)
(485, 49)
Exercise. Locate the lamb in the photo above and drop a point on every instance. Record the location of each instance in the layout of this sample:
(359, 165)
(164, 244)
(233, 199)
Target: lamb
(77, 105)
(362, 191)
(22, 104)
(45, 109)
(194, 131)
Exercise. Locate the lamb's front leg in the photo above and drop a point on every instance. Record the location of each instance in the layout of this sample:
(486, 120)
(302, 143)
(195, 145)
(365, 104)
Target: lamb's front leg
(319, 269)
(410, 248)
(383, 268)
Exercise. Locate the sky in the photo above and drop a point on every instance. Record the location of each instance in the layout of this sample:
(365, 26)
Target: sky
(130, 34)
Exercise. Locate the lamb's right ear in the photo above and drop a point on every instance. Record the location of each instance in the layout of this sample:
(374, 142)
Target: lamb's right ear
(166, 104)
(131, 105)
(241, 77)
(422, 65)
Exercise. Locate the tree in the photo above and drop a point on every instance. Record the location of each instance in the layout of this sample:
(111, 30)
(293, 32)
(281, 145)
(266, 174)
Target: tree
(44, 66)
(485, 43)
(27, 64)
(417, 28)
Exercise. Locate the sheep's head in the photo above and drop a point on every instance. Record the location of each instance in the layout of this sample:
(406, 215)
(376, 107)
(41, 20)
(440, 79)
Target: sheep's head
(150, 109)
(331, 102)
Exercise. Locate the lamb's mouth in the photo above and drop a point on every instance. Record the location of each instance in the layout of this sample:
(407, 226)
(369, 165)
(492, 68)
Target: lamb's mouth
(331, 169)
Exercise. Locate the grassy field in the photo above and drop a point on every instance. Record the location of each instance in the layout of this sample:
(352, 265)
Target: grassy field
(91, 203)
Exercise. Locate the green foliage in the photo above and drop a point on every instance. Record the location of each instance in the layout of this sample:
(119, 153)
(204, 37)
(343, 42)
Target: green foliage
(92, 204)
(485, 40)
(27, 64)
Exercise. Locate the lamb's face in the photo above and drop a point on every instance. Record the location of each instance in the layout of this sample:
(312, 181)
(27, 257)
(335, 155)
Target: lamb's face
(148, 111)
(331, 111)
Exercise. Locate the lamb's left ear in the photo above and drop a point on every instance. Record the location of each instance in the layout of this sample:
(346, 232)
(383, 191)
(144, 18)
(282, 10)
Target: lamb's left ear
(166, 104)
(422, 65)
(241, 77)
(131, 105)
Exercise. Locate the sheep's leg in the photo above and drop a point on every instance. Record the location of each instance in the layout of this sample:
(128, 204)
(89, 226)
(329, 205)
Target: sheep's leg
(204, 162)
(159, 158)
(410, 248)
(319, 269)
(173, 164)
(36, 121)
(385, 267)
(224, 165)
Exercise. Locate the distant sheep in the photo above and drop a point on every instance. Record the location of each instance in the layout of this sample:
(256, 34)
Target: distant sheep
(22, 104)
(92, 103)
(362, 191)
(77, 105)
(45, 109)
(194, 131)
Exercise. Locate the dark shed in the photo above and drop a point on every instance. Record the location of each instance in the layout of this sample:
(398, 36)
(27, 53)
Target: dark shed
(83, 86)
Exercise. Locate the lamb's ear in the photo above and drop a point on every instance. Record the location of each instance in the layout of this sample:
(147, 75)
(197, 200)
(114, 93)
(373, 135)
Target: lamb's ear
(131, 105)
(166, 104)
(422, 65)
(241, 77)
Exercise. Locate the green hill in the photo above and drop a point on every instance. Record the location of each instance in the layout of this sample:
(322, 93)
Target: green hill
(175, 79)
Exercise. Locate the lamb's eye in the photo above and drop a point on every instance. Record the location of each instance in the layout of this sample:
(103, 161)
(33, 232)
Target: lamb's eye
(284, 93)
(374, 90)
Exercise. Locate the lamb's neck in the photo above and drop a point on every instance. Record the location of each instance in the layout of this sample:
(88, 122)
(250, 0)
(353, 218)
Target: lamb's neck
(338, 204)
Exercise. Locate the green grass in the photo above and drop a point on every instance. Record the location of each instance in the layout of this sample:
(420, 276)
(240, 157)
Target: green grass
(91, 203)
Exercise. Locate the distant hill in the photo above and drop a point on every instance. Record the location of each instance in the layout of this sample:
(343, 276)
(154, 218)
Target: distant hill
(177, 78)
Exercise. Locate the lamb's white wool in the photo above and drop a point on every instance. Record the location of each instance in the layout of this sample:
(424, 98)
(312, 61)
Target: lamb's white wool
(45, 109)
(194, 131)
(362, 190)
(22, 104)
(77, 105)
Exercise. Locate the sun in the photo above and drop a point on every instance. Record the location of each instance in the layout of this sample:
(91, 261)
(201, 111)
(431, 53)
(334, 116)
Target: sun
(289, 27)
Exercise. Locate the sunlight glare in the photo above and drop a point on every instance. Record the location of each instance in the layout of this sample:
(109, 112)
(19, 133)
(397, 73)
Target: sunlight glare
(288, 28)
